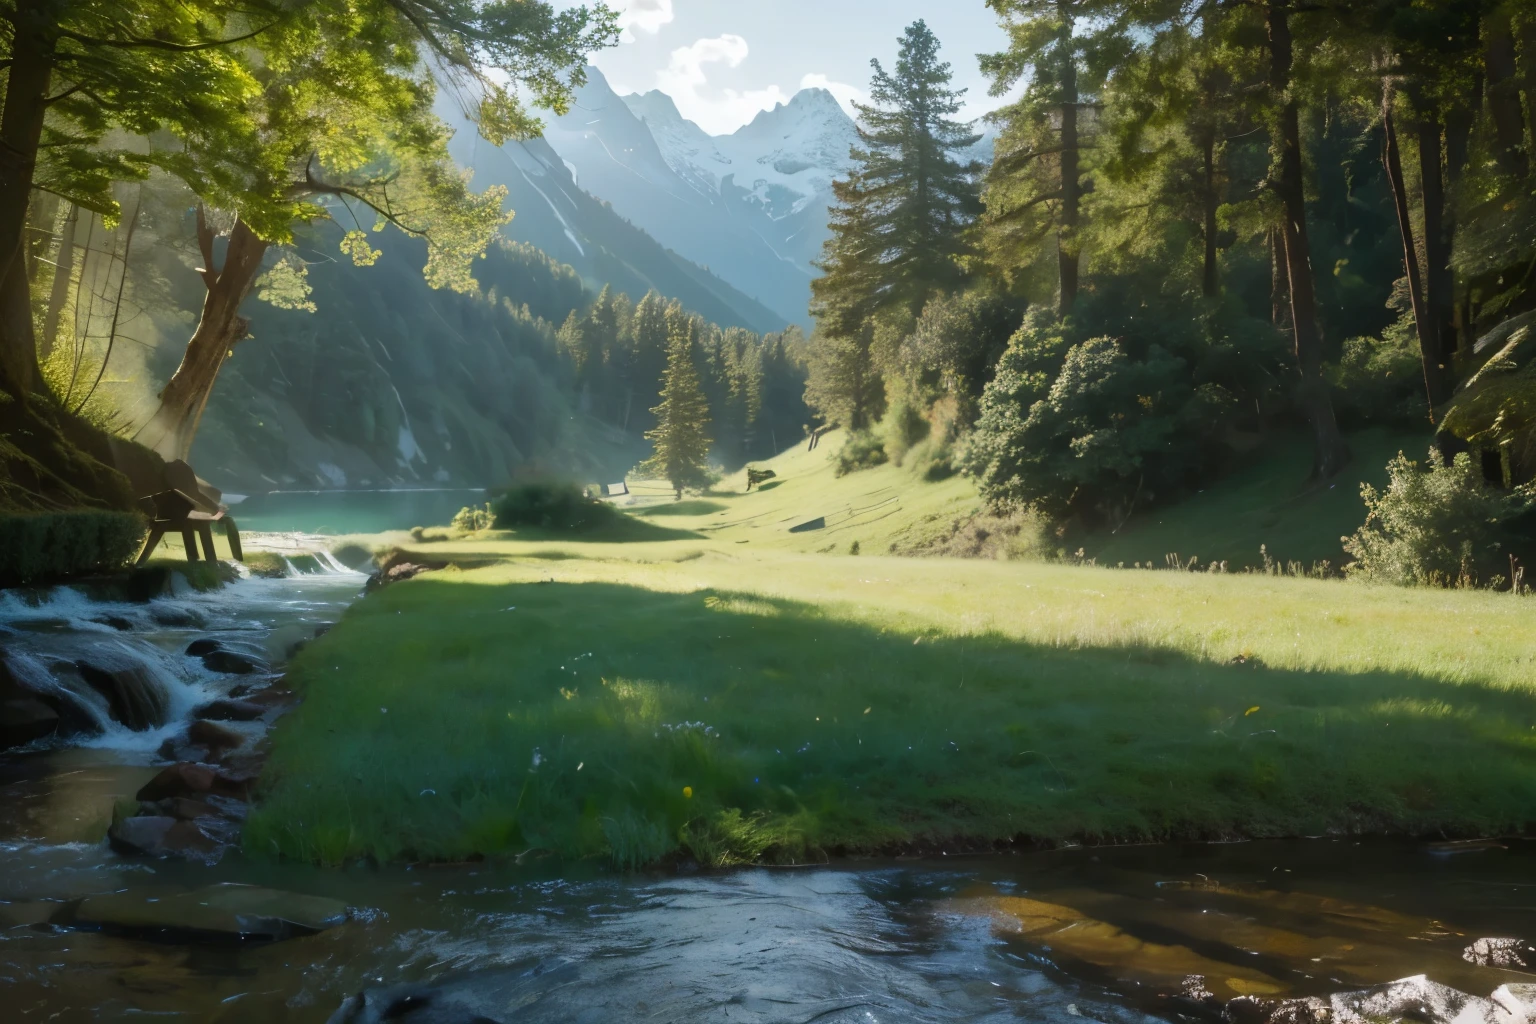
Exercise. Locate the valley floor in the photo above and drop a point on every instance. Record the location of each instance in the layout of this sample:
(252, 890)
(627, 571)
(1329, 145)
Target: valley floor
(620, 701)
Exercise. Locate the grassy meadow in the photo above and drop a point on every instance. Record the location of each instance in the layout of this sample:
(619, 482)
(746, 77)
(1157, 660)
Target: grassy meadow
(709, 680)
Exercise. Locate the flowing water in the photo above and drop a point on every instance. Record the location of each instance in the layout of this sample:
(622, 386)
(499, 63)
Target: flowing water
(1113, 935)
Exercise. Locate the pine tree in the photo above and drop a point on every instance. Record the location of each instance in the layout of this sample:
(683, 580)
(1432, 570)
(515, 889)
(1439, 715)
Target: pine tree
(682, 419)
(898, 226)
(1064, 50)
(904, 211)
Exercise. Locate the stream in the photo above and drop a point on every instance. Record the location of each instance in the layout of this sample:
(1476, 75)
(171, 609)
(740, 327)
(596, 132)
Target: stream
(1341, 929)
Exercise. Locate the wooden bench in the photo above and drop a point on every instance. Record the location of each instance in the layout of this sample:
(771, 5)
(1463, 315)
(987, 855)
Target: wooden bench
(179, 512)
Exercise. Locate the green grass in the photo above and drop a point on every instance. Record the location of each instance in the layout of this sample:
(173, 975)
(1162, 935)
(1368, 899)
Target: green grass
(851, 705)
(1269, 503)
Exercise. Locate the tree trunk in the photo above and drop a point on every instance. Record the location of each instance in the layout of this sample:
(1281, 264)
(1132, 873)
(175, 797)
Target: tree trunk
(43, 219)
(1279, 289)
(1331, 453)
(220, 328)
(1071, 186)
(63, 276)
(21, 128)
(1429, 357)
(1503, 87)
(1210, 282)
(1439, 280)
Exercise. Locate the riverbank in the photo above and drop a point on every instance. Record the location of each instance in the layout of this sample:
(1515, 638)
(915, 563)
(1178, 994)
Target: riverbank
(631, 703)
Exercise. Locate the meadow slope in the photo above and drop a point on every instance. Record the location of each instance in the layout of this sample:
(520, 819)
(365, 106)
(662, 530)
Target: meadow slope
(716, 683)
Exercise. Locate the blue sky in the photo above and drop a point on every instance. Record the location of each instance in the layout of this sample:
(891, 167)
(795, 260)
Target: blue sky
(724, 60)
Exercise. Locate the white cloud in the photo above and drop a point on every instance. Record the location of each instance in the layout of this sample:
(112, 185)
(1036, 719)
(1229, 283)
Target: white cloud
(846, 94)
(643, 15)
(717, 111)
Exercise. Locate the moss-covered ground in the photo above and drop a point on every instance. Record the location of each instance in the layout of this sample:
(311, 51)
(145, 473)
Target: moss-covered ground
(726, 686)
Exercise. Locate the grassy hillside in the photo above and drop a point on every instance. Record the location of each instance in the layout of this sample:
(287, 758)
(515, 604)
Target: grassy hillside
(1269, 503)
(711, 682)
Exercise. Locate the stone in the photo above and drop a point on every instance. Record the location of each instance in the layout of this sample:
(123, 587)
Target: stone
(178, 749)
(232, 663)
(199, 648)
(24, 719)
(135, 696)
(234, 911)
(215, 737)
(1511, 954)
(164, 836)
(187, 779)
(116, 622)
(231, 711)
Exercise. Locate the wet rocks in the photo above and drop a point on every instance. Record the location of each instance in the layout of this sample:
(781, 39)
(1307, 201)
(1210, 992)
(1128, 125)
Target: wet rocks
(164, 836)
(1416, 999)
(227, 910)
(1511, 954)
(24, 719)
(136, 697)
(232, 710)
(194, 780)
(400, 567)
(215, 738)
(222, 658)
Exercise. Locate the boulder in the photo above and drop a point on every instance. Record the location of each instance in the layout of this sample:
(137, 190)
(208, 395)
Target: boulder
(24, 719)
(214, 736)
(231, 711)
(229, 910)
(135, 695)
(193, 780)
(1511, 954)
(164, 836)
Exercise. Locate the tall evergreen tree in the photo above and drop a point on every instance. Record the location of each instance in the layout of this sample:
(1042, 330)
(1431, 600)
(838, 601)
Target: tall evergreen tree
(681, 435)
(1037, 183)
(899, 225)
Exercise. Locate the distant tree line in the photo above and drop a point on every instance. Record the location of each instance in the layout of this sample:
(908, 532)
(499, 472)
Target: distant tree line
(1201, 220)
(752, 386)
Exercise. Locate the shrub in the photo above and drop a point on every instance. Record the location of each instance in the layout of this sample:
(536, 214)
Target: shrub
(1381, 380)
(1442, 526)
(558, 507)
(862, 450)
(52, 545)
(471, 519)
(1111, 431)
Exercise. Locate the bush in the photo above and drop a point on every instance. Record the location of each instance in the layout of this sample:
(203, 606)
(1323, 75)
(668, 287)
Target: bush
(1381, 380)
(557, 507)
(1112, 430)
(472, 520)
(862, 450)
(1441, 526)
(47, 546)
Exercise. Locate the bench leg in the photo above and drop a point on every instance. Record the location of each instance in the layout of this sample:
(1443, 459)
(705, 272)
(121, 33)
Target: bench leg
(206, 532)
(156, 535)
(189, 541)
(232, 534)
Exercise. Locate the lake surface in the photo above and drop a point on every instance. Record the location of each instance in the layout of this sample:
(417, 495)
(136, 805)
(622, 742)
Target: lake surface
(342, 512)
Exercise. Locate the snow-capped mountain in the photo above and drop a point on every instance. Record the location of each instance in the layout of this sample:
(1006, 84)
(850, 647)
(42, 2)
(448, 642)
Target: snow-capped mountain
(786, 158)
(750, 208)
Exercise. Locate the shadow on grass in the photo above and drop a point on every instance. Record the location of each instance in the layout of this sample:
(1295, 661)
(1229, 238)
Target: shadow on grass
(695, 507)
(610, 721)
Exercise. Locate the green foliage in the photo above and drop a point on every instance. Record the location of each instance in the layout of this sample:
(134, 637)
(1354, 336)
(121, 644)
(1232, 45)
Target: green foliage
(553, 507)
(682, 419)
(1381, 380)
(472, 519)
(1111, 431)
(898, 228)
(1441, 525)
(862, 450)
(48, 546)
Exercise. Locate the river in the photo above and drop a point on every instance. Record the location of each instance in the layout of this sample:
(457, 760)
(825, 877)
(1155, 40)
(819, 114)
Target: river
(1113, 935)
